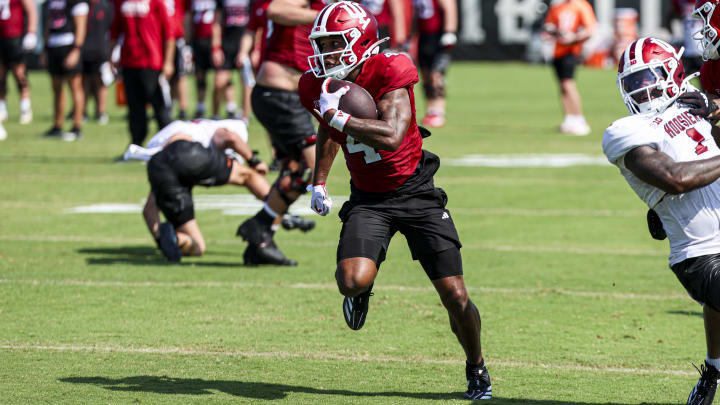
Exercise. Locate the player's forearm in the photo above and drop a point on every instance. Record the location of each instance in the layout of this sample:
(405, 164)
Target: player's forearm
(689, 176)
(80, 30)
(31, 14)
(169, 53)
(660, 170)
(397, 10)
(216, 33)
(246, 43)
(325, 151)
(290, 12)
(377, 134)
(450, 13)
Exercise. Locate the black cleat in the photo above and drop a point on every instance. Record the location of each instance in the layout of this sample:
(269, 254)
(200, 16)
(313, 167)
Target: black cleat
(290, 222)
(267, 253)
(168, 243)
(54, 132)
(478, 382)
(355, 309)
(253, 232)
(704, 391)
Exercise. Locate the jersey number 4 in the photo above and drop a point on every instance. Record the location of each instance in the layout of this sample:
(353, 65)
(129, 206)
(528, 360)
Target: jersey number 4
(371, 154)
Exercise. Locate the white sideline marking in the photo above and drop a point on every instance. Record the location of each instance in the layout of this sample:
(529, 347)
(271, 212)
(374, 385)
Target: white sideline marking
(329, 286)
(528, 160)
(329, 356)
(332, 243)
(229, 204)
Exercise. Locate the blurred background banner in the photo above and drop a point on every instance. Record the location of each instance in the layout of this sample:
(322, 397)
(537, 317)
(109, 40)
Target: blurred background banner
(509, 29)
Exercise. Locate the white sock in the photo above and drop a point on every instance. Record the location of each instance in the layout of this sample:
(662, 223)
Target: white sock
(25, 104)
(713, 362)
(201, 106)
(274, 227)
(231, 107)
(270, 211)
(3, 105)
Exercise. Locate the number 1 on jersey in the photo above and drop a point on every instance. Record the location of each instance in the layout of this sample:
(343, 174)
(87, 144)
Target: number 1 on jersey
(697, 137)
(371, 154)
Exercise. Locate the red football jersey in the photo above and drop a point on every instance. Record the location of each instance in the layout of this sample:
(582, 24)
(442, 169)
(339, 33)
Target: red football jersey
(289, 45)
(373, 170)
(176, 12)
(202, 13)
(710, 77)
(146, 26)
(12, 19)
(430, 16)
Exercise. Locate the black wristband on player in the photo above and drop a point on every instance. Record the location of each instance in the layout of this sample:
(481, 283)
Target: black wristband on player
(254, 160)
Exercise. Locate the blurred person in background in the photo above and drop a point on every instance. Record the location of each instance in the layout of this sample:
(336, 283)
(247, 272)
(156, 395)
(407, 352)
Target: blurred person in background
(186, 154)
(437, 25)
(147, 61)
(570, 23)
(18, 36)
(202, 15)
(682, 10)
(178, 81)
(66, 25)
(230, 22)
(276, 104)
(96, 72)
(390, 16)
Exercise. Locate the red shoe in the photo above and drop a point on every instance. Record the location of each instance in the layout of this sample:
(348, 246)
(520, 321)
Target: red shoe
(434, 120)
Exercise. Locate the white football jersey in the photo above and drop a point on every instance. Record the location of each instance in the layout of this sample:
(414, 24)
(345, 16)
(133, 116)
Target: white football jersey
(691, 220)
(201, 131)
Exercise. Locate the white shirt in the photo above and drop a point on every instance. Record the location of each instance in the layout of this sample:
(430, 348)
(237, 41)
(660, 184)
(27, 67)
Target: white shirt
(691, 220)
(200, 130)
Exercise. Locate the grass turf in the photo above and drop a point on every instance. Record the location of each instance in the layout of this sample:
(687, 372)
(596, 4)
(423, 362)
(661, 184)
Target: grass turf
(578, 304)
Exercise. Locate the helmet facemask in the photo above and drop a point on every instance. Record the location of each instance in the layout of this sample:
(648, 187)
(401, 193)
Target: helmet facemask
(346, 57)
(708, 35)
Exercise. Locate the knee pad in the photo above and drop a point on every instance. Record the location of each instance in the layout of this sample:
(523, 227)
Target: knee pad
(293, 181)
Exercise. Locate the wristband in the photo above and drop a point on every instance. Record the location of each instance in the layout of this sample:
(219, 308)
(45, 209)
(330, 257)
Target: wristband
(339, 120)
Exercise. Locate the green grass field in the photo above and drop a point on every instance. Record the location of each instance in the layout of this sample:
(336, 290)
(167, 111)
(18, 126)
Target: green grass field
(577, 301)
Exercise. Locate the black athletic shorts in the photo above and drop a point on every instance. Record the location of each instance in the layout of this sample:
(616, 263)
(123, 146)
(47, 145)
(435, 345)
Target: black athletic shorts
(282, 115)
(91, 66)
(431, 55)
(565, 66)
(11, 51)
(701, 278)
(371, 219)
(176, 169)
(56, 61)
(231, 47)
(202, 56)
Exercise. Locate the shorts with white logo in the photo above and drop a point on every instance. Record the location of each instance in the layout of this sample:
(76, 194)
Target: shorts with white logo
(368, 226)
(701, 278)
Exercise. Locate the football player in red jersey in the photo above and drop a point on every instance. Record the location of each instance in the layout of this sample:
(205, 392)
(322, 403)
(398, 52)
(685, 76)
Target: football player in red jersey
(276, 104)
(15, 40)
(391, 175)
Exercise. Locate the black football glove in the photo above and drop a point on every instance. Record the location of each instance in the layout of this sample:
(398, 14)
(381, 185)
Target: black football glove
(701, 105)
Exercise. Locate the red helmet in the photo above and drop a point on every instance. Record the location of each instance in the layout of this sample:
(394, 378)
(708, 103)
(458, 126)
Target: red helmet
(705, 10)
(650, 75)
(358, 28)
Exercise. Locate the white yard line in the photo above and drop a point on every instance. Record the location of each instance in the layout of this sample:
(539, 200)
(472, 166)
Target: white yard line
(340, 357)
(330, 286)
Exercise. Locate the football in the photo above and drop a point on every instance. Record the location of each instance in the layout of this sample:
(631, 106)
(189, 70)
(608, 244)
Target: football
(357, 101)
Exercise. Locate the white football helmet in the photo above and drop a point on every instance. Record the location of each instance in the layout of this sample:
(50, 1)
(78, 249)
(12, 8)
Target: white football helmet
(650, 75)
(708, 35)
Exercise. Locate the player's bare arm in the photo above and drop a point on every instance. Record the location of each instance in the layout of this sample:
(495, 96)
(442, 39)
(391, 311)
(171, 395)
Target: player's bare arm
(226, 139)
(387, 132)
(31, 15)
(325, 151)
(291, 12)
(660, 170)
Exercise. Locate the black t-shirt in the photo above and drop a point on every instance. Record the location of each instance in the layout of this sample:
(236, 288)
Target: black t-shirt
(235, 17)
(96, 41)
(60, 15)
